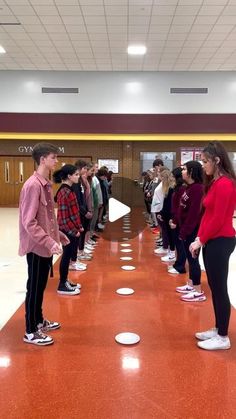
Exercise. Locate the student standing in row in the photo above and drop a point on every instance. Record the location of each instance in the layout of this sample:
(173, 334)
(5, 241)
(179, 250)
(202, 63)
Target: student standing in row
(217, 236)
(39, 240)
(189, 220)
(69, 223)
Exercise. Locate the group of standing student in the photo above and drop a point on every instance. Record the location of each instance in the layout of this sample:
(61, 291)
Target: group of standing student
(192, 217)
(176, 205)
(79, 200)
(203, 201)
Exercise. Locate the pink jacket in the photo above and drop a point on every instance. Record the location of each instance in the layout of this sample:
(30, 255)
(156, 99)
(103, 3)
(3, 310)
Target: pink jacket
(38, 229)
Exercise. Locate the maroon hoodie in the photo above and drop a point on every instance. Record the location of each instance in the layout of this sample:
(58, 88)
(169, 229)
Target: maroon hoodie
(190, 209)
(176, 197)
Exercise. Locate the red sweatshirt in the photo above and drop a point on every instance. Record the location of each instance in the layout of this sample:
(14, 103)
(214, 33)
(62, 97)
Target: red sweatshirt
(219, 204)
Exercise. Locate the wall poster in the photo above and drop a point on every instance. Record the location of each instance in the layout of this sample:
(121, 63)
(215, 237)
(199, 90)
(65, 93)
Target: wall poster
(112, 164)
(188, 154)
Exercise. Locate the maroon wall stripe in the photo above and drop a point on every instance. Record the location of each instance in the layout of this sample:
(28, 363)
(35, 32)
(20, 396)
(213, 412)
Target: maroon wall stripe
(118, 123)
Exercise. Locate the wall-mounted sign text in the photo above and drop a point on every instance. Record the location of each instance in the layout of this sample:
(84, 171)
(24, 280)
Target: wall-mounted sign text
(29, 149)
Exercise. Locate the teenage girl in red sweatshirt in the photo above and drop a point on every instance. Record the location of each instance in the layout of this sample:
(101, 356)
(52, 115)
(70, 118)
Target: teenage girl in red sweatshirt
(217, 236)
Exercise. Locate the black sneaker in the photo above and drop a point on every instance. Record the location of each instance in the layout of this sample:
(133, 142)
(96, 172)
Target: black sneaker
(67, 289)
(38, 338)
(48, 325)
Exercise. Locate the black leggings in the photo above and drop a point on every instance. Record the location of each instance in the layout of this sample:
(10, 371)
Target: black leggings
(193, 263)
(216, 254)
(66, 257)
(38, 270)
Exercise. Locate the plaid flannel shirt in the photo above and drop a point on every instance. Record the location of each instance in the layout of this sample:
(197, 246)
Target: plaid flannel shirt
(68, 211)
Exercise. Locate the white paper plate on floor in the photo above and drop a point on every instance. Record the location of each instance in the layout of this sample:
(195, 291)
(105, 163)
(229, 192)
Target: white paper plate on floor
(126, 250)
(126, 258)
(128, 267)
(127, 338)
(125, 238)
(125, 291)
(127, 231)
(125, 244)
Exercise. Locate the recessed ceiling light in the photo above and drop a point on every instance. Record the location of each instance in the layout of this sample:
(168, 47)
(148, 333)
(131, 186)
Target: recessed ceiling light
(137, 50)
(2, 50)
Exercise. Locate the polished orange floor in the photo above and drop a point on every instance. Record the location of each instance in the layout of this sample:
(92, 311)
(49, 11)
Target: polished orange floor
(86, 374)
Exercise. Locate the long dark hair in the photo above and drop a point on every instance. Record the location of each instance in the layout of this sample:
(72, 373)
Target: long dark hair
(218, 154)
(63, 172)
(194, 169)
(177, 173)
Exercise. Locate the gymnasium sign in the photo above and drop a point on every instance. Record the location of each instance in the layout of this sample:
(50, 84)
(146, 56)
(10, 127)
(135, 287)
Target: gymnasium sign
(28, 149)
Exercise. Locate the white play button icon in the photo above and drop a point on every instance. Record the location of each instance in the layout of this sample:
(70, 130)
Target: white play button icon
(117, 209)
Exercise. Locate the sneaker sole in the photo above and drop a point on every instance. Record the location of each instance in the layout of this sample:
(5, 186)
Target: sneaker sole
(182, 292)
(193, 300)
(37, 343)
(213, 349)
(68, 293)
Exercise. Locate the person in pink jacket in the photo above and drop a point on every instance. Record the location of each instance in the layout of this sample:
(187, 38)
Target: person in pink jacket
(217, 236)
(39, 241)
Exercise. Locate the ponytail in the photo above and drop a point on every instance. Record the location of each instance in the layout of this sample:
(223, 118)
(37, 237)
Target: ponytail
(63, 173)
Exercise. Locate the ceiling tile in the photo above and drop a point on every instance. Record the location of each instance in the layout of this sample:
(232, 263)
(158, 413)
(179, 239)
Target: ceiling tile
(92, 10)
(51, 20)
(164, 10)
(205, 20)
(22, 10)
(116, 10)
(72, 20)
(211, 10)
(69, 10)
(46, 10)
(187, 10)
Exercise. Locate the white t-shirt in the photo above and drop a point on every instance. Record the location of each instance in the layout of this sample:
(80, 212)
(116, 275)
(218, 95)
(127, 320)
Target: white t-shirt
(97, 186)
(158, 199)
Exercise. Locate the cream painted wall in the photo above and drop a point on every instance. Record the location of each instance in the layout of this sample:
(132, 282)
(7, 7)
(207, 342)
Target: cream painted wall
(117, 92)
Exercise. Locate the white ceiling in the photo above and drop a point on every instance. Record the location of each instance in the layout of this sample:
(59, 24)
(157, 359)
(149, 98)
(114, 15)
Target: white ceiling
(93, 35)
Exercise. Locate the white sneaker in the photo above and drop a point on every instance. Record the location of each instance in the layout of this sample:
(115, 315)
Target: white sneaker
(101, 226)
(172, 270)
(87, 251)
(170, 257)
(160, 251)
(184, 289)
(84, 257)
(77, 266)
(193, 296)
(89, 246)
(215, 343)
(38, 338)
(91, 241)
(208, 334)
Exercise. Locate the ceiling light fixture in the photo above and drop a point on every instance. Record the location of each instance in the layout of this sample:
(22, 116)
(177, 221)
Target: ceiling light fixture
(2, 50)
(137, 50)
